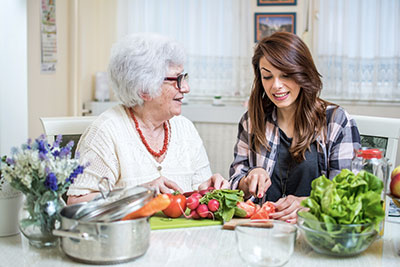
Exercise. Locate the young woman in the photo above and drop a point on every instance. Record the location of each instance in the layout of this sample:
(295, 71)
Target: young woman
(289, 136)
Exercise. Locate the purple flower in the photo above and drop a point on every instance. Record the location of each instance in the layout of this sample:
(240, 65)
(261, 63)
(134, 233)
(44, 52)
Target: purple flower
(58, 141)
(10, 161)
(78, 170)
(42, 156)
(29, 143)
(51, 182)
(66, 151)
(41, 146)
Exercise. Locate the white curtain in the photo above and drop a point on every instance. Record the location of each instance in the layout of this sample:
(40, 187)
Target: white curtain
(215, 34)
(359, 49)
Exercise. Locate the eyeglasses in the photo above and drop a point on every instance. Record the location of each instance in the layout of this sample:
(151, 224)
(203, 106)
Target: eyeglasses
(179, 79)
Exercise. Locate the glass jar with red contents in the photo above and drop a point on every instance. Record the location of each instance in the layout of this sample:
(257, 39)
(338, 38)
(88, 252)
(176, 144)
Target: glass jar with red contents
(373, 161)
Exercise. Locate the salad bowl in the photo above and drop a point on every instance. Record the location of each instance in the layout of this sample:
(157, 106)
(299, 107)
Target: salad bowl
(336, 239)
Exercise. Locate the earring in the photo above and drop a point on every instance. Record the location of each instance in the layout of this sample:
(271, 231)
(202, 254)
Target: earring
(263, 95)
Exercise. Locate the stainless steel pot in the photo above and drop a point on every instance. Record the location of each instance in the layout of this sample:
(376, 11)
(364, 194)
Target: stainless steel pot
(102, 242)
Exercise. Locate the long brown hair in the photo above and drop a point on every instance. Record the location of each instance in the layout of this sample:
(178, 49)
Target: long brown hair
(289, 54)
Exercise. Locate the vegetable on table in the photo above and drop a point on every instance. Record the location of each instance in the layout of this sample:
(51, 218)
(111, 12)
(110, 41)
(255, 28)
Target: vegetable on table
(177, 206)
(157, 204)
(192, 202)
(227, 200)
(263, 213)
(346, 199)
(254, 211)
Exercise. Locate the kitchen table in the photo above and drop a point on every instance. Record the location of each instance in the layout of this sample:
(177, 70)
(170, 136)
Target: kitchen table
(205, 246)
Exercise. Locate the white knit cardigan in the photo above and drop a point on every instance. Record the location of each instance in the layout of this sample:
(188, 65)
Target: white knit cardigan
(112, 147)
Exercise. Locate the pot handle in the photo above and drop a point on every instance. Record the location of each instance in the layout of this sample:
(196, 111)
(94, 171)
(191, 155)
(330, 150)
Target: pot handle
(104, 187)
(70, 234)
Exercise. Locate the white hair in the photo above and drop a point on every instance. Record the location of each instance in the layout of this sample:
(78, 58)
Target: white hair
(139, 63)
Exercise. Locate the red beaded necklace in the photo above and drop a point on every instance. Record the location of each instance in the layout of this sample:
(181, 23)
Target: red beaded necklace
(165, 146)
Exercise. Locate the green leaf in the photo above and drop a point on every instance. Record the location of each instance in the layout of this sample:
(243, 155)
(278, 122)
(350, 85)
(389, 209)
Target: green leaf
(228, 215)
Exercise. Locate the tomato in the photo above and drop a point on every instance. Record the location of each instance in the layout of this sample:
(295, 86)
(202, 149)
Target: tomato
(263, 213)
(269, 207)
(260, 215)
(177, 206)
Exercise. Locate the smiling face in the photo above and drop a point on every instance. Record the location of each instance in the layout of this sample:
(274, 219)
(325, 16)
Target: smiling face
(169, 102)
(278, 86)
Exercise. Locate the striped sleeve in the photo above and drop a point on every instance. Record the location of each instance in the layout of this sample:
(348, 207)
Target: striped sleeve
(240, 165)
(343, 140)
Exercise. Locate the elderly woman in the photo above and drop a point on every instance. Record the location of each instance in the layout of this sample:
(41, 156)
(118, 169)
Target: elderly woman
(289, 136)
(144, 141)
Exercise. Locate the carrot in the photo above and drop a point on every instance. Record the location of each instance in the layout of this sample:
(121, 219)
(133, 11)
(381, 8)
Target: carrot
(157, 204)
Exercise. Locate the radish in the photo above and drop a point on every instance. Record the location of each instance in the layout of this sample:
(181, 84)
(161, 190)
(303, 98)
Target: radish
(188, 194)
(192, 202)
(196, 195)
(213, 205)
(194, 215)
(202, 210)
(203, 192)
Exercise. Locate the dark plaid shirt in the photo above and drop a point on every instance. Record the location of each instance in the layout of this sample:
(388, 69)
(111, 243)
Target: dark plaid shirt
(335, 153)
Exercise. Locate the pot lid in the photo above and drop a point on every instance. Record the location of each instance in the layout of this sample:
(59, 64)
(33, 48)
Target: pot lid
(115, 205)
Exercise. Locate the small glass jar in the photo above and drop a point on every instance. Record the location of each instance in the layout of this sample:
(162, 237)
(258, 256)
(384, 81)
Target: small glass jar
(372, 160)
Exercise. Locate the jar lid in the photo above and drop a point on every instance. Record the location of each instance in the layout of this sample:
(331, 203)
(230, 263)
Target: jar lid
(370, 153)
(115, 206)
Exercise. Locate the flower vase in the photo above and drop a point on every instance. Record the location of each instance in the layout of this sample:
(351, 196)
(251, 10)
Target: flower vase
(39, 218)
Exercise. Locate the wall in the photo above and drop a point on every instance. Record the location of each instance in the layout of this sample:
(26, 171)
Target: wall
(97, 33)
(85, 32)
(13, 73)
(47, 93)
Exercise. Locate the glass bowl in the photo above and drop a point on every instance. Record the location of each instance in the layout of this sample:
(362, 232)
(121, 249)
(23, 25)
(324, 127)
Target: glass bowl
(336, 239)
(265, 242)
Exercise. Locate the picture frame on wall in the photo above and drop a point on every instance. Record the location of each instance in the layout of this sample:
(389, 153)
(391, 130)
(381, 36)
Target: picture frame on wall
(276, 2)
(266, 24)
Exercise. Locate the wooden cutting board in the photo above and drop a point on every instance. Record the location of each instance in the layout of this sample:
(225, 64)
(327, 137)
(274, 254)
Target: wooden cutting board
(233, 222)
(231, 225)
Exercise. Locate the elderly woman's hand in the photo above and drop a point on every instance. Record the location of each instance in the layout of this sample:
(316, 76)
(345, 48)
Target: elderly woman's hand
(163, 185)
(216, 181)
(286, 208)
(256, 183)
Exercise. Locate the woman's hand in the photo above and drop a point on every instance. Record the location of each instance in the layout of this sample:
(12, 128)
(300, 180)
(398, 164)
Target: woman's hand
(163, 185)
(256, 183)
(286, 208)
(216, 181)
(83, 198)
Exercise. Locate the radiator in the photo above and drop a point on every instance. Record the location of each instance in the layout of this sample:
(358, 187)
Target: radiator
(219, 140)
(217, 126)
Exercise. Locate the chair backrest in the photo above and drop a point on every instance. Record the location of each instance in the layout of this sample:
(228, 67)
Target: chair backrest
(71, 128)
(379, 132)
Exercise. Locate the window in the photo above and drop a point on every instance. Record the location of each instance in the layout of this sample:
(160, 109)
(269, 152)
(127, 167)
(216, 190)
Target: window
(359, 49)
(217, 36)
